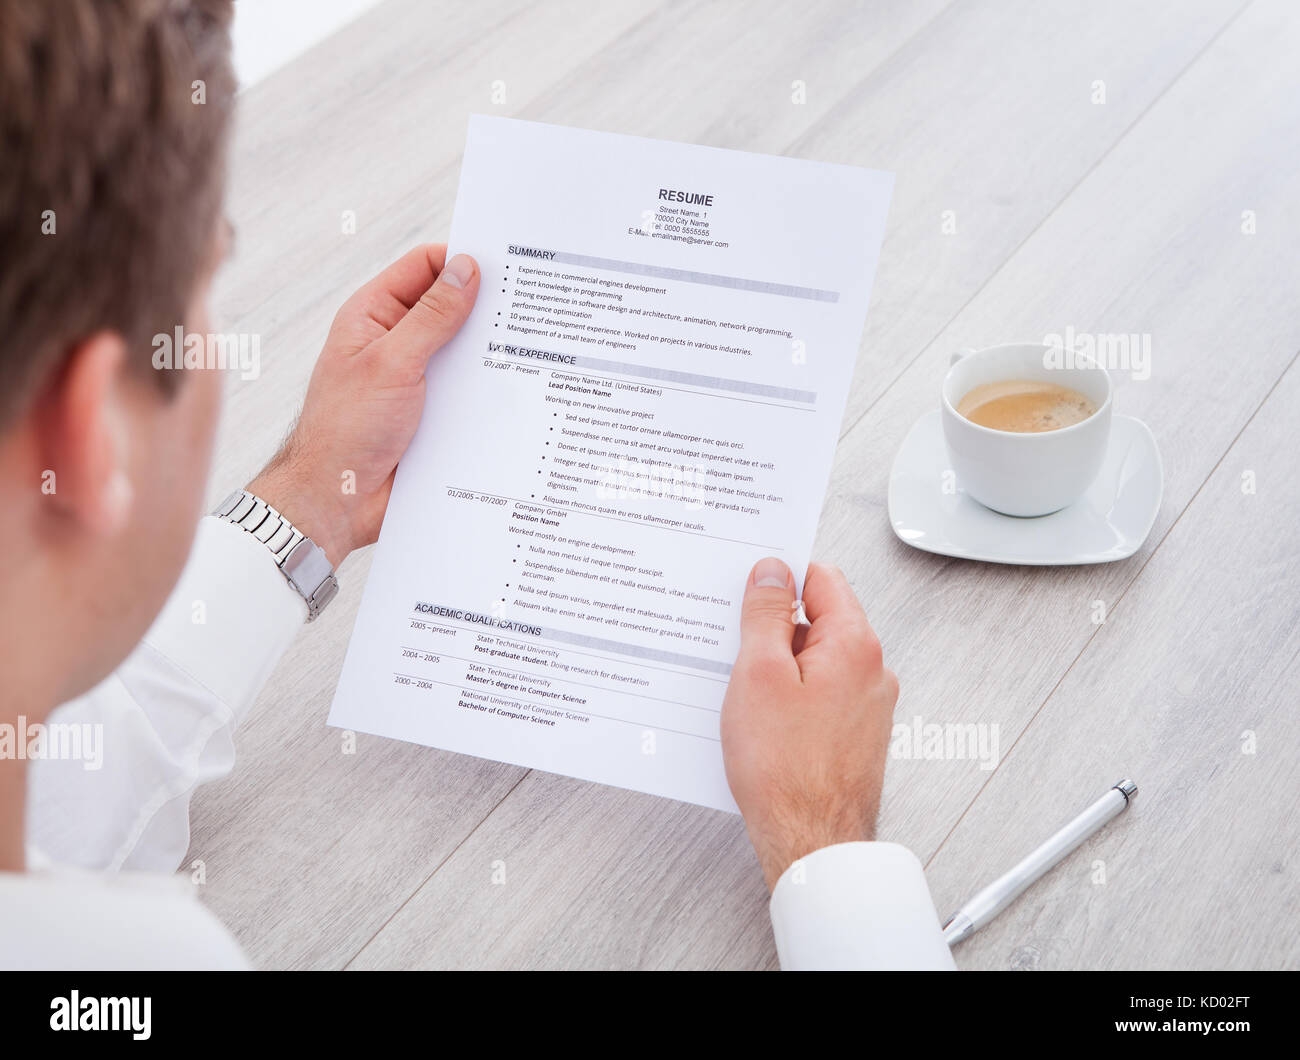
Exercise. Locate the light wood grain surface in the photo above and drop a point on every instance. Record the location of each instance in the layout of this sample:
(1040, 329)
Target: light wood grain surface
(1122, 216)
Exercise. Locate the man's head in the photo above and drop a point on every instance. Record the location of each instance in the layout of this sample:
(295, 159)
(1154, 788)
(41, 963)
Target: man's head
(113, 121)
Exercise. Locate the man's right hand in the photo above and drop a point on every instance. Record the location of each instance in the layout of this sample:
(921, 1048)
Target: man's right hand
(807, 719)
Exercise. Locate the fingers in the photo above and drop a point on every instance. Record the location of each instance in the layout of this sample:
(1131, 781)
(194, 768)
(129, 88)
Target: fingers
(828, 595)
(435, 314)
(767, 613)
(833, 609)
(387, 297)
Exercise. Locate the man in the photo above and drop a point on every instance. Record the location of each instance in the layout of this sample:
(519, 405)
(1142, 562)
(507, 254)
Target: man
(111, 188)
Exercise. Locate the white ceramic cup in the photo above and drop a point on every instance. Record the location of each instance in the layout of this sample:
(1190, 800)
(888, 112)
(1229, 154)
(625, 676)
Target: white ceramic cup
(1026, 474)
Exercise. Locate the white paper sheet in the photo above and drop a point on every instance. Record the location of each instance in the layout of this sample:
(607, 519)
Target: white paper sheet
(644, 402)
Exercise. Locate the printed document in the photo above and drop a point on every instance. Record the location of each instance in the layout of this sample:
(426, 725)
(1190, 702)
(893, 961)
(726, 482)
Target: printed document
(643, 403)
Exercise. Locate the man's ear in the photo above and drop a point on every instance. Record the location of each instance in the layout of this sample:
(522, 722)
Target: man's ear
(82, 434)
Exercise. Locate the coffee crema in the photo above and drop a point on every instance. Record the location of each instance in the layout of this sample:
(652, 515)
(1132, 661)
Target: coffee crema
(1025, 406)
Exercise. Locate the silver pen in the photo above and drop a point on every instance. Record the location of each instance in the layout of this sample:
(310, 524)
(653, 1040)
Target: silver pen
(999, 894)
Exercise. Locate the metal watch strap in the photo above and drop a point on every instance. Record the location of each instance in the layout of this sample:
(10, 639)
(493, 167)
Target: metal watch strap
(302, 562)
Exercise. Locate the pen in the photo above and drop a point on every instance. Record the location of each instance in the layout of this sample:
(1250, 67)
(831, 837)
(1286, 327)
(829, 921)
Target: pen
(999, 894)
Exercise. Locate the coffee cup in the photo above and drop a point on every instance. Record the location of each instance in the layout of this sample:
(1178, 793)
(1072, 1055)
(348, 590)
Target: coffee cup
(1026, 472)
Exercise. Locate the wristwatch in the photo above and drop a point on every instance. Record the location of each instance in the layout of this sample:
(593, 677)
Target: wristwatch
(302, 562)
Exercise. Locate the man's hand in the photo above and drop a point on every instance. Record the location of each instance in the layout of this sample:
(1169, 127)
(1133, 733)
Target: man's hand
(807, 719)
(333, 477)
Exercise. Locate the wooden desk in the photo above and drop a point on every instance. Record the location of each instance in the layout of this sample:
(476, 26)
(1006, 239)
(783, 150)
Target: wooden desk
(1024, 204)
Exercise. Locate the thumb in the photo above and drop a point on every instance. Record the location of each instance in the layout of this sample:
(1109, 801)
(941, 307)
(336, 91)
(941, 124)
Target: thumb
(437, 316)
(767, 614)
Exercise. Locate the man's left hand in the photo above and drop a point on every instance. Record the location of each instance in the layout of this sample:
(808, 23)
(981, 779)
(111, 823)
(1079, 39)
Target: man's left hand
(333, 476)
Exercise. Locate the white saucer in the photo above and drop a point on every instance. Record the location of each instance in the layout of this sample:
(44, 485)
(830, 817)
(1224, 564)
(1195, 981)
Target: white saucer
(1107, 523)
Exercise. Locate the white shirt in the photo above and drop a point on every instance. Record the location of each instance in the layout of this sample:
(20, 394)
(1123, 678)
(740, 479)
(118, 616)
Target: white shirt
(168, 717)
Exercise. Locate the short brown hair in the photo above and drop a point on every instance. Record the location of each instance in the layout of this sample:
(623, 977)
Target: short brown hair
(111, 173)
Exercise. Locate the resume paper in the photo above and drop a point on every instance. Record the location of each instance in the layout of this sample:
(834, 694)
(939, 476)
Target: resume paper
(643, 403)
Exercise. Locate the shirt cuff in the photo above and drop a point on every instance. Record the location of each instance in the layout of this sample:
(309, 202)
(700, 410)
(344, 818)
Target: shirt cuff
(857, 906)
(231, 617)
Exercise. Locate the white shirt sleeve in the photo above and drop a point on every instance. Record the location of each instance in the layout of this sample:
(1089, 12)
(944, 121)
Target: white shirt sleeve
(65, 919)
(857, 906)
(163, 722)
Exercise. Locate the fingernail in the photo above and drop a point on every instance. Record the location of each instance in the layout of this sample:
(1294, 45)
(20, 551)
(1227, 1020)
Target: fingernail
(771, 573)
(458, 271)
